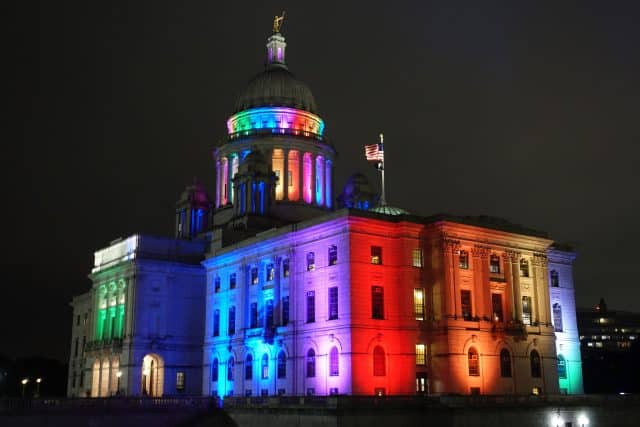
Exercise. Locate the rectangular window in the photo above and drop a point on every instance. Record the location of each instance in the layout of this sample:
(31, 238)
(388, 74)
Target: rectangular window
(421, 358)
(232, 320)
(465, 304)
(333, 255)
(270, 272)
(285, 268)
(463, 260)
(254, 276)
(311, 307)
(217, 284)
(216, 323)
(333, 391)
(376, 255)
(311, 261)
(379, 391)
(333, 303)
(269, 313)
(253, 319)
(285, 311)
(494, 264)
(248, 392)
(180, 381)
(526, 310)
(377, 302)
(418, 303)
(232, 281)
(311, 391)
(496, 305)
(416, 257)
(282, 391)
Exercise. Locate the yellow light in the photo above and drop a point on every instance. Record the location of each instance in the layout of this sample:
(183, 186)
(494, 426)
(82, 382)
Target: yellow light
(38, 380)
(24, 381)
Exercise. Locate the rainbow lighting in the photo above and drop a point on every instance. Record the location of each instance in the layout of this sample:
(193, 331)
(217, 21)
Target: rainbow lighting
(282, 120)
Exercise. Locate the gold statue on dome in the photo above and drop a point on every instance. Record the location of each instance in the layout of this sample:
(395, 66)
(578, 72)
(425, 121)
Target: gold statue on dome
(277, 23)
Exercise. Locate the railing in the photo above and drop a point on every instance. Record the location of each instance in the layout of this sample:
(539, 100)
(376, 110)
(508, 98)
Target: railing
(113, 343)
(275, 131)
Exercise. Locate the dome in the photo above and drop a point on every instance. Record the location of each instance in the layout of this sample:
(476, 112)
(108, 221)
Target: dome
(276, 86)
(388, 210)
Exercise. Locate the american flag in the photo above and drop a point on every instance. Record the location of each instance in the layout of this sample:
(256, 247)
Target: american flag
(374, 152)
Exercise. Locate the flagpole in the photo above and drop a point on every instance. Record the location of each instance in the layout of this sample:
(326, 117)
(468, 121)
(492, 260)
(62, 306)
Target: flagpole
(383, 200)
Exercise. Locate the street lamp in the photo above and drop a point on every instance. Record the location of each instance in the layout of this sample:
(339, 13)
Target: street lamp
(24, 385)
(583, 420)
(38, 381)
(118, 375)
(557, 421)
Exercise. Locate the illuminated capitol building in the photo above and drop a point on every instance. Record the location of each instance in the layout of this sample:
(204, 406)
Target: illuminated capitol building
(274, 285)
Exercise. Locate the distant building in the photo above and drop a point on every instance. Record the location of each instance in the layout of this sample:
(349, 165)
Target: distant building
(610, 346)
(268, 289)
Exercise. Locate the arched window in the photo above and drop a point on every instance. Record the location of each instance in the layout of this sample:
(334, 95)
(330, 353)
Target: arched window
(265, 366)
(248, 367)
(505, 363)
(524, 268)
(555, 279)
(230, 364)
(311, 363)
(334, 362)
(214, 369)
(562, 367)
(379, 364)
(282, 365)
(474, 362)
(557, 317)
(536, 370)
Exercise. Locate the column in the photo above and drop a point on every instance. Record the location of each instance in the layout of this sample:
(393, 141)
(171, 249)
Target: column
(277, 300)
(217, 201)
(285, 172)
(511, 311)
(229, 181)
(480, 288)
(517, 292)
(450, 288)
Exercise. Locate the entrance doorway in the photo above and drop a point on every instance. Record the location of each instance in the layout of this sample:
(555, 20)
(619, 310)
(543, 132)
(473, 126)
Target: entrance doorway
(152, 375)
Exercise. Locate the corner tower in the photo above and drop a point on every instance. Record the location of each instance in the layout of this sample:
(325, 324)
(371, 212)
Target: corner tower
(276, 115)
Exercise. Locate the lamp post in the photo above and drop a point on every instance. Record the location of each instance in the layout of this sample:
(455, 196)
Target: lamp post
(24, 385)
(583, 420)
(38, 381)
(118, 375)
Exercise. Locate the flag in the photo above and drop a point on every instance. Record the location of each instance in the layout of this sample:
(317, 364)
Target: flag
(374, 152)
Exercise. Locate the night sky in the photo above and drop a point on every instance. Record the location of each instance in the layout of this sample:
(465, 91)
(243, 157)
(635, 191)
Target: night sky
(522, 110)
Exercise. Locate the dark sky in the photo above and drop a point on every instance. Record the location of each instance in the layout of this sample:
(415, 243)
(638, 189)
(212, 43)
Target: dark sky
(523, 110)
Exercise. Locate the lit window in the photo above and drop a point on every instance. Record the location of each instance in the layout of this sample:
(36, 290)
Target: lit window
(232, 281)
(557, 317)
(311, 363)
(463, 260)
(536, 391)
(379, 364)
(376, 255)
(254, 276)
(217, 284)
(285, 268)
(333, 391)
(496, 305)
(536, 370)
(311, 306)
(416, 257)
(505, 363)
(333, 255)
(494, 263)
(248, 367)
(270, 272)
(265, 366)
(333, 303)
(418, 303)
(179, 381)
(377, 302)
(311, 261)
(524, 268)
(474, 362)
(420, 355)
(334, 362)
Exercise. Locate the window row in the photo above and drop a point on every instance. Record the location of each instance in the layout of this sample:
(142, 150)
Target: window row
(332, 257)
(495, 266)
(535, 363)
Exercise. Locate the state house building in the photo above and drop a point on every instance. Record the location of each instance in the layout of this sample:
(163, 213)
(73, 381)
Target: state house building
(269, 289)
